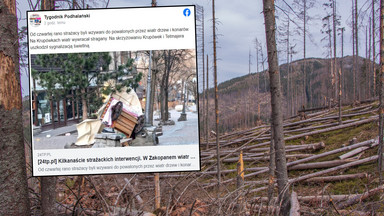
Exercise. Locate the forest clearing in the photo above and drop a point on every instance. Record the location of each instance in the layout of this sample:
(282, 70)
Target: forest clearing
(332, 171)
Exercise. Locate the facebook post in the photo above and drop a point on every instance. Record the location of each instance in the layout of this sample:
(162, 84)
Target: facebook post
(113, 91)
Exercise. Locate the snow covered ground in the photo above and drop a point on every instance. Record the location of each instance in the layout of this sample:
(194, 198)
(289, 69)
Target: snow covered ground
(183, 132)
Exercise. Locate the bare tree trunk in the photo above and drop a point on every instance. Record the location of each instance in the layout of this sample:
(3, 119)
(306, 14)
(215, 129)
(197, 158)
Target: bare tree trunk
(153, 90)
(157, 191)
(48, 184)
(295, 205)
(276, 103)
(48, 4)
(335, 70)
(291, 84)
(381, 94)
(166, 108)
(353, 54)
(357, 52)
(373, 49)
(83, 103)
(14, 187)
(341, 73)
(216, 104)
(203, 66)
(48, 195)
(331, 69)
(248, 114)
(272, 169)
(207, 107)
(77, 107)
(154, 56)
(368, 57)
(304, 52)
(288, 49)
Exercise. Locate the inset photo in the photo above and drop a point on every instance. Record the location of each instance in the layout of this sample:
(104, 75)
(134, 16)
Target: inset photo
(114, 99)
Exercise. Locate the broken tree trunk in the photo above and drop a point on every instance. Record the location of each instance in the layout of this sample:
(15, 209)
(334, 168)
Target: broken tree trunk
(360, 197)
(351, 164)
(305, 177)
(319, 165)
(314, 146)
(295, 205)
(356, 151)
(357, 145)
(365, 121)
(336, 178)
(135, 194)
(318, 156)
(318, 179)
(258, 158)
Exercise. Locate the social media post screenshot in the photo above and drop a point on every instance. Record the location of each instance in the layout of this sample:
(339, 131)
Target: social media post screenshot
(113, 91)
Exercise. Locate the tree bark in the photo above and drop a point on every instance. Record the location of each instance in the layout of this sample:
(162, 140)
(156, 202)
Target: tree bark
(14, 187)
(353, 53)
(207, 108)
(216, 98)
(276, 103)
(357, 52)
(48, 195)
(304, 52)
(153, 87)
(48, 184)
(381, 94)
(320, 165)
(334, 49)
(157, 191)
(336, 178)
(295, 205)
(355, 152)
(84, 104)
(373, 49)
(272, 169)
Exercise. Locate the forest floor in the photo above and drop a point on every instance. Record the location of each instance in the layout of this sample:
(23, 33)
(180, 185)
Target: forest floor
(326, 179)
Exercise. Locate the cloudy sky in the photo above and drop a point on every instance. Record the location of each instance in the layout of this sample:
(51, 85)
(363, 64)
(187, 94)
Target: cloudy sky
(240, 22)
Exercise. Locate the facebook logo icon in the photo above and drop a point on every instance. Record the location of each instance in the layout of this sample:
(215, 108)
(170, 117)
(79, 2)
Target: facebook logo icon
(187, 12)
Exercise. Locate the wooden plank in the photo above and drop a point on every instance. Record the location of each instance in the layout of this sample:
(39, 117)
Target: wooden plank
(128, 116)
(127, 122)
(122, 128)
(125, 126)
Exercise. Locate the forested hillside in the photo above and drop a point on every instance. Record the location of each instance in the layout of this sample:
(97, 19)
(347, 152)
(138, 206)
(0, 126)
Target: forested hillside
(245, 99)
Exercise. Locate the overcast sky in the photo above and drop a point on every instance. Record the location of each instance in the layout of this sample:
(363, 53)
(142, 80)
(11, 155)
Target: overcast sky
(240, 22)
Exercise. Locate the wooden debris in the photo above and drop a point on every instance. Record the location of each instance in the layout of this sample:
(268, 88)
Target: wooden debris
(357, 151)
(318, 165)
(336, 178)
(295, 205)
(351, 164)
(330, 170)
(136, 195)
(360, 197)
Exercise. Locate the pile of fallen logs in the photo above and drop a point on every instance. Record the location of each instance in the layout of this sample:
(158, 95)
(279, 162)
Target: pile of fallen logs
(312, 163)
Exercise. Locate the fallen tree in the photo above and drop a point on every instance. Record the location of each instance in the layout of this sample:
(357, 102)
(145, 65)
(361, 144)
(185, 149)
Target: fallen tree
(360, 197)
(330, 170)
